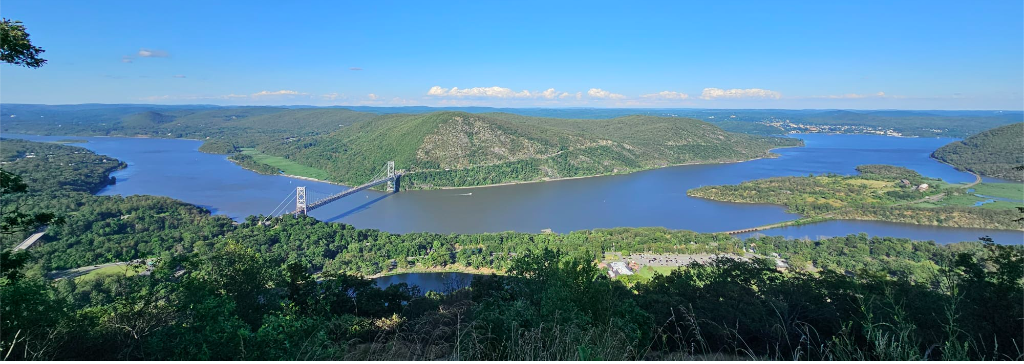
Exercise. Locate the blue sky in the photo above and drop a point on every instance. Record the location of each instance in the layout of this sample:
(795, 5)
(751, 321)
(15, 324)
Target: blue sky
(725, 54)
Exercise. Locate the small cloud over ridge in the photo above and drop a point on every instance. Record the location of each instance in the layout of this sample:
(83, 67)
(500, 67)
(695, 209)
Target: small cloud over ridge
(153, 53)
(712, 93)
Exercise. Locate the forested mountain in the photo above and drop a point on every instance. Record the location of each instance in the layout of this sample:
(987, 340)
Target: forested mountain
(992, 153)
(453, 149)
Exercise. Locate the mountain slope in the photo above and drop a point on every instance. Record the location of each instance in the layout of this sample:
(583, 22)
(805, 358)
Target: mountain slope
(991, 153)
(454, 149)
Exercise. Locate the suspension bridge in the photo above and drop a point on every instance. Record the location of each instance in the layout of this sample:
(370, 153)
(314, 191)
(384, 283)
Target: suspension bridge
(307, 200)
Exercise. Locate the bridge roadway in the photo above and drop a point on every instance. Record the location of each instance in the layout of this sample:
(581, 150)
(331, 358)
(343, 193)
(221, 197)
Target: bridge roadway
(337, 196)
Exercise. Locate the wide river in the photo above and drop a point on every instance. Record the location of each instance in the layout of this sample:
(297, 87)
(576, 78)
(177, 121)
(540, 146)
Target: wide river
(175, 168)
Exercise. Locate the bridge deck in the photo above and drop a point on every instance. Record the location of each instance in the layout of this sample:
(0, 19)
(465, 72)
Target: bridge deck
(335, 197)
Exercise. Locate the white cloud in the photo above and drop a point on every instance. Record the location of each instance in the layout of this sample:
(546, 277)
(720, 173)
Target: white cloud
(549, 94)
(277, 93)
(372, 96)
(153, 53)
(126, 59)
(491, 92)
(566, 95)
(602, 94)
(736, 93)
(667, 95)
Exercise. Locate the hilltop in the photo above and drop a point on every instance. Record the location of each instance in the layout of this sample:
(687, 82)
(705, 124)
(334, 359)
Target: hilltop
(457, 149)
(993, 153)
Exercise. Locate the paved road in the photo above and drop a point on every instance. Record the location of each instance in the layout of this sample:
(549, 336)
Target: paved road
(31, 240)
(81, 271)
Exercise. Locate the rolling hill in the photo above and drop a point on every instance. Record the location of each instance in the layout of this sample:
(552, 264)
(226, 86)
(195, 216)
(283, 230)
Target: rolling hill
(992, 153)
(457, 149)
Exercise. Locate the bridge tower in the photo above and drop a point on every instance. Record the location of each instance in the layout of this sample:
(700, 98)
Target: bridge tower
(300, 200)
(392, 180)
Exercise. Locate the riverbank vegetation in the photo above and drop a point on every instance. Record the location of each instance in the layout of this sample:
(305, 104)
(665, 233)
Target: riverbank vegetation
(992, 153)
(878, 192)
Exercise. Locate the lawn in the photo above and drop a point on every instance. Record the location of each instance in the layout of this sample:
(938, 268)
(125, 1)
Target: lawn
(111, 270)
(1013, 191)
(1002, 190)
(286, 165)
(648, 271)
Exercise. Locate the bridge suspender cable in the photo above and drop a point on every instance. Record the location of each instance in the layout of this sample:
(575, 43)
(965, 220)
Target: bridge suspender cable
(268, 217)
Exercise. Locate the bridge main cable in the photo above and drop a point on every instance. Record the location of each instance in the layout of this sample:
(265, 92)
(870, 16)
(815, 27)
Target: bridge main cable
(302, 206)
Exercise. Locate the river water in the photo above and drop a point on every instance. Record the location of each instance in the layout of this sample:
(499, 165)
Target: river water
(176, 168)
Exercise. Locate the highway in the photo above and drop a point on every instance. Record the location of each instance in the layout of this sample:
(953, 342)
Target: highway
(31, 240)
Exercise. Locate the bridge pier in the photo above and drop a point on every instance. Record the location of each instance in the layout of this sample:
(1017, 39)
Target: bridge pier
(397, 184)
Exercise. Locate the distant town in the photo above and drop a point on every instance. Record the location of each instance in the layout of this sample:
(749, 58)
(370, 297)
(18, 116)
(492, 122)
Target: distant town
(791, 127)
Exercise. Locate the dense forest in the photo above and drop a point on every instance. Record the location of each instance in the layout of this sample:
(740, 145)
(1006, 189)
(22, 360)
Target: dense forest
(878, 192)
(992, 153)
(291, 289)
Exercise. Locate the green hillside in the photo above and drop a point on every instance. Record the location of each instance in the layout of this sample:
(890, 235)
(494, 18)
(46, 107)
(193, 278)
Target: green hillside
(454, 149)
(241, 127)
(992, 153)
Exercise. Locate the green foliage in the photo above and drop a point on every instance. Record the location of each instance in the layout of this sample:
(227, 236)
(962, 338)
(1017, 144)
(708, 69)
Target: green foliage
(218, 147)
(248, 162)
(16, 48)
(992, 153)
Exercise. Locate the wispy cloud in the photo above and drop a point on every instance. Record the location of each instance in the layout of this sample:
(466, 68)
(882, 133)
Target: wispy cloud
(179, 76)
(566, 95)
(277, 93)
(851, 96)
(602, 94)
(153, 53)
(667, 95)
(736, 93)
(332, 96)
(355, 68)
(126, 59)
(484, 92)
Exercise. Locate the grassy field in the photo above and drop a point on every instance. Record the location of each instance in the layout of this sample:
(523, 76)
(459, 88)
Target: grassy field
(1013, 191)
(1005, 190)
(649, 271)
(288, 166)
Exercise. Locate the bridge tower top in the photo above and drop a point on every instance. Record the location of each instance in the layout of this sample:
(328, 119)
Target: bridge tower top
(300, 200)
(391, 176)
